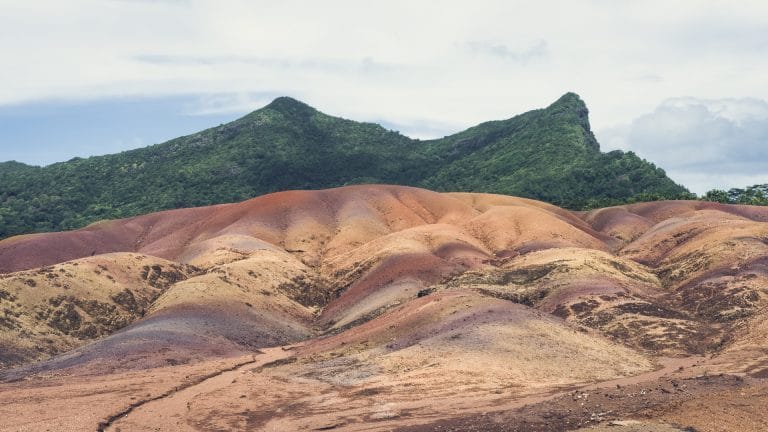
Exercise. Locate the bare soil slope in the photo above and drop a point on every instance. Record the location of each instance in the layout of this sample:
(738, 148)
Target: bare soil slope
(394, 307)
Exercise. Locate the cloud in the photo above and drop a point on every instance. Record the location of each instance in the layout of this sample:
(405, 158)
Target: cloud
(365, 65)
(460, 66)
(648, 78)
(407, 62)
(536, 51)
(154, 2)
(704, 143)
(422, 128)
(228, 103)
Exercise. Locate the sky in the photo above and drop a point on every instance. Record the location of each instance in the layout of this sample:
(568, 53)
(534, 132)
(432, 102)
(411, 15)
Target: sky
(683, 84)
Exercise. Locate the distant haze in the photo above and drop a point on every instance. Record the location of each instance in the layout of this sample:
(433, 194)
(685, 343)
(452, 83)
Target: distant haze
(683, 84)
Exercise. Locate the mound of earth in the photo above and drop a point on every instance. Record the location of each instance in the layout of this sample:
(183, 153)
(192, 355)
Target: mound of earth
(381, 307)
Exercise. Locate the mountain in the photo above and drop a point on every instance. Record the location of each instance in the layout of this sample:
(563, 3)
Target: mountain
(380, 307)
(548, 154)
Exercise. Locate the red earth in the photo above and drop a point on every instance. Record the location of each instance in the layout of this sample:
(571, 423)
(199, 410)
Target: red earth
(388, 307)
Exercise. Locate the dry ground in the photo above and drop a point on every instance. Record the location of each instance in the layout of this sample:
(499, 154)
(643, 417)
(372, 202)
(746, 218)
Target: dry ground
(385, 307)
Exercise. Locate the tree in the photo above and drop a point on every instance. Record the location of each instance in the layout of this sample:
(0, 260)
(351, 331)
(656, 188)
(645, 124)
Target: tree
(717, 195)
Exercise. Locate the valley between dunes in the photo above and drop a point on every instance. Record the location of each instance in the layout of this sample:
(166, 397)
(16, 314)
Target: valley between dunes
(390, 308)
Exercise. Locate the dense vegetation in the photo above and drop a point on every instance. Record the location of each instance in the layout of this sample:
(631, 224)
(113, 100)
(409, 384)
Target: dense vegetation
(548, 154)
(751, 195)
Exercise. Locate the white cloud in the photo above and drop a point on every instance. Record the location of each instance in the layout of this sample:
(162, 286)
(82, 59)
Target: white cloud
(536, 51)
(446, 65)
(227, 103)
(431, 53)
(703, 143)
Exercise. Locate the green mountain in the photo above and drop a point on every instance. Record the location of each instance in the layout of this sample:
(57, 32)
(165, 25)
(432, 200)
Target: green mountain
(548, 154)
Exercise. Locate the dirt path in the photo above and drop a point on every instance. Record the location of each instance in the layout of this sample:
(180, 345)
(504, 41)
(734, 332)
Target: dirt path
(684, 366)
(169, 410)
(179, 409)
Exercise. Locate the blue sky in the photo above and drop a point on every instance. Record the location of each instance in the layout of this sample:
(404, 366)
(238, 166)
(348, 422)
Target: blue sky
(683, 84)
(46, 132)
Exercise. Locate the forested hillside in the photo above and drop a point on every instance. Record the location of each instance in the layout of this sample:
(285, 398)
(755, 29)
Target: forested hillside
(548, 154)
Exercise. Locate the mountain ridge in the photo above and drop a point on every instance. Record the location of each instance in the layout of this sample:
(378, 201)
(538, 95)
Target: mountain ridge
(548, 154)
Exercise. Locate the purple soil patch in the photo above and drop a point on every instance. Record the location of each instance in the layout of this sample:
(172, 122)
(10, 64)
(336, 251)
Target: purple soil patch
(581, 288)
(424, 267)
(178, 336)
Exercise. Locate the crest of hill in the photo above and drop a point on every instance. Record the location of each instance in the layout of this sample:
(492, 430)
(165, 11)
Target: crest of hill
(548, 154)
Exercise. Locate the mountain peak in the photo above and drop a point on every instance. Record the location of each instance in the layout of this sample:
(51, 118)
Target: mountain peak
(571, 105)
(13, 166)
(287, 105)
(13, 163)
(569, 101)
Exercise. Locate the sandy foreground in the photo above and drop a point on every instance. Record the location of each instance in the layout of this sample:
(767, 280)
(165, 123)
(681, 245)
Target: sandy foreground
(259, 392)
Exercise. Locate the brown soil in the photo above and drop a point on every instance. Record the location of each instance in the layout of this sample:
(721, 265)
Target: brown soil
(414, 309)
